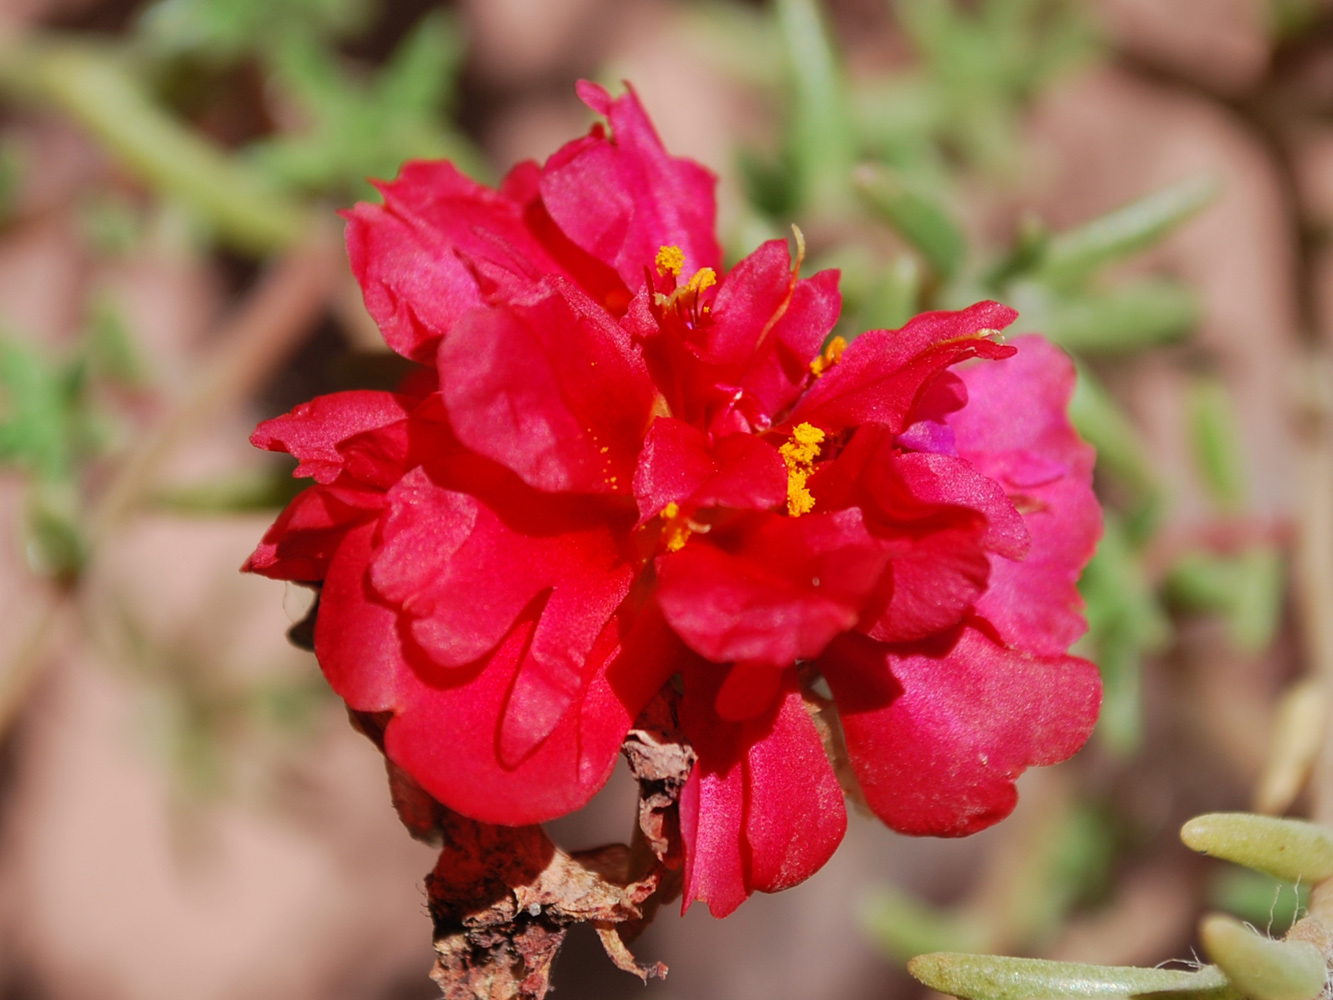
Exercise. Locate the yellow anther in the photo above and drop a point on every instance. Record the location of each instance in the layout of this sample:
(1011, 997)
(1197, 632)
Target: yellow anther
(831, 356)
(799, 454)
(703, 278)
(676, 531)
(670, 260)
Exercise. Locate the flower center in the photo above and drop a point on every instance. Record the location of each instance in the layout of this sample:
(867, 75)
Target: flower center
(682, 298)
(800, 453)
(831, 356)
(677, 527)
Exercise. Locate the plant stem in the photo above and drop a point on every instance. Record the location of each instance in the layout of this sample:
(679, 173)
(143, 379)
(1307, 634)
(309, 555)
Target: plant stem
(96, 89)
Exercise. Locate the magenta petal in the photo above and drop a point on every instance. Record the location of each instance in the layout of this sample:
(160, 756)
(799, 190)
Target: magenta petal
(551, 388)
(781, 367)
(750, 300)
(312, 431)
(793, 584)
(463, 576)
(750, 475)
(795, 816)
(674, 462)
(622, 198)
(356, 637)
(421, 255)
(712, 816)
(306, 534)
(762, 809)
(1016, 430)
(883, 374)
(938, 731)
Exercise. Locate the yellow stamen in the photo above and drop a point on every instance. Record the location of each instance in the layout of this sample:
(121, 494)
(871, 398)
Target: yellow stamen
(676, 531)
(703, 278)
(831, 356)
(800, 453)
(670, 260)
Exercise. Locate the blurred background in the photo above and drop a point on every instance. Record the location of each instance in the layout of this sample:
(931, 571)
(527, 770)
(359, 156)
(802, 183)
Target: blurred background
(184, 811)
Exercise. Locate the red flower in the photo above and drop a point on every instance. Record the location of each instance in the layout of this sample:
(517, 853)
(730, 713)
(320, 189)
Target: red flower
(634, 467)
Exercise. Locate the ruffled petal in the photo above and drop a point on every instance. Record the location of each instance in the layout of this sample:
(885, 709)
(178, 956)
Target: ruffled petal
(937, 731)
(439, 245)
(1016, 430)
(939, 520)
(677, 465)
(674, 463)
(550, 387)
(306, 534)
(444, 729)
(883, 373)
(313, 431)
(762, 809)
(770, 589)
(463, 577)
(621, 198)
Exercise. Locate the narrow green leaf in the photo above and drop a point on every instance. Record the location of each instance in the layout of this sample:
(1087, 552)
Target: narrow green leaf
(92, 86)
(917, 217)
(1216, 441)
(1075, 254)
(1261, 968)
(822, 141)
(1290, 849)
(985, 977)
(1121, 452)
(1128, 319)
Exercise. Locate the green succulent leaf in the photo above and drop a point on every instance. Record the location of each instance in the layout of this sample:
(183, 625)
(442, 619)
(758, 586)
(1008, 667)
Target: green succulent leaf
(1290, 849)
(988, 977)
(1075, 254)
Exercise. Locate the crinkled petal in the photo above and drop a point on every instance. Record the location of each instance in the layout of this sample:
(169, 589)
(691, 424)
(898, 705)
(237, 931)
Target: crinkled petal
(787, 587)
(1016, 430)
(621, 198)
(550, 387)
(444, 729)
(677, 465)
(439, 245)
(939, 519)
(762, 809)
(937, 731)
(312, 431)
(781, 366)
(883, 373)
(463, 576)
(306, 534)
(674, 462)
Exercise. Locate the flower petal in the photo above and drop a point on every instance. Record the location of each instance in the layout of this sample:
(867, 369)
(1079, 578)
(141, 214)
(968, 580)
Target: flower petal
(306, 534)
(444, 729)
(1016, 430)
(312, 431)
(773, 589)
(762, 809)
(439, 245)
(622, 198)
(548, 386)
(883, 373)
(463, 576)
(937, 731)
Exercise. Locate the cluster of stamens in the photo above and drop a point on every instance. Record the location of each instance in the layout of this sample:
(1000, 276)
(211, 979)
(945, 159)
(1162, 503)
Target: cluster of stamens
(800, 453)
(684, 299)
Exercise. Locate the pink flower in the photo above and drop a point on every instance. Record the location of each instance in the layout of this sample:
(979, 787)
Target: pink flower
(630, 466)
